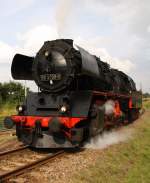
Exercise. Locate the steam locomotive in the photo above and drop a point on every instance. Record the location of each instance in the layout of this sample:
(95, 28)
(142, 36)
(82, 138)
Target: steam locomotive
(79, 96)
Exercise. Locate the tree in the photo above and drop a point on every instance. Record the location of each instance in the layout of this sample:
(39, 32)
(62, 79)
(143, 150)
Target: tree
(12, 92)
(146, 95)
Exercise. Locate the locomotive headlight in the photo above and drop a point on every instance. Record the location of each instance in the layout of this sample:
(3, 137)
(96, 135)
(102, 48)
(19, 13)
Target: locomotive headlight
(63, 109)
(19, 108)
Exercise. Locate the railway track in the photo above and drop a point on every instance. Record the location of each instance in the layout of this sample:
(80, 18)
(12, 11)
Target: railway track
(6, 131)
(6, 153)
(30, 164)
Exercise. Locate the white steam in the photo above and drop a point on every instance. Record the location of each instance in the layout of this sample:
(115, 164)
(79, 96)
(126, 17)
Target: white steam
(108, 138)
(63, 14)
(109, 107)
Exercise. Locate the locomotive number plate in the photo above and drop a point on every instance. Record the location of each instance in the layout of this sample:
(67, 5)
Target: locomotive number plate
(48, 77)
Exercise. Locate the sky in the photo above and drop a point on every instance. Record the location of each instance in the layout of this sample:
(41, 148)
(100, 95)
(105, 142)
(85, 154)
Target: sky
(116, 31)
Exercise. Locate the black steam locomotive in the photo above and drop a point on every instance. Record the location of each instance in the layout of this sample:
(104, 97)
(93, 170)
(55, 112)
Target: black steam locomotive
(79, 96)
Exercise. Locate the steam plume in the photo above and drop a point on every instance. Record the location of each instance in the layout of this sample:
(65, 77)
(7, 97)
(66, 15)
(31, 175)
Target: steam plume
(108, 138)
(63, 13)
(109, 107)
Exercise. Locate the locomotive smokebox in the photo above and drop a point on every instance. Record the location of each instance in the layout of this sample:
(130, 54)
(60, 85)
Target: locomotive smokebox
(21, 68)
(52, 67)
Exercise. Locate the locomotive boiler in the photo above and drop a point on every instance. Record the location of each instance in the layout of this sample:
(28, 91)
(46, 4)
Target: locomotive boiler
(75, 91)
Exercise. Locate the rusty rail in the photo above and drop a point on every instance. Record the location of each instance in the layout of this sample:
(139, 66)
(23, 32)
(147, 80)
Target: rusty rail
(2, 154)
(4, 131)
(21, 170)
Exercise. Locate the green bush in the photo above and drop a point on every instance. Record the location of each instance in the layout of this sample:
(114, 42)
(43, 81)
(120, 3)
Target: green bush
(11, 93)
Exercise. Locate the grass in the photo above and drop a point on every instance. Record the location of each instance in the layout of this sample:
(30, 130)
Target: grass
(6, 110)
(6, 138)
(127, 162)
(146, 103)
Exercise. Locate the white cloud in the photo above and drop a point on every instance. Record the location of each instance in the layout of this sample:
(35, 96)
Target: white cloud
(33, 39)
(8, 7)
(5, 73)
(128, 13)
(29, 43)
(122, 64)
(128, 23)
(6, 53)
(92, 46)
(117, 31)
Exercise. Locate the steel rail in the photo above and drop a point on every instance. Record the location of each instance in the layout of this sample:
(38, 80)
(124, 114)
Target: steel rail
(4, 132)
(2, 154)
(21, 170)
